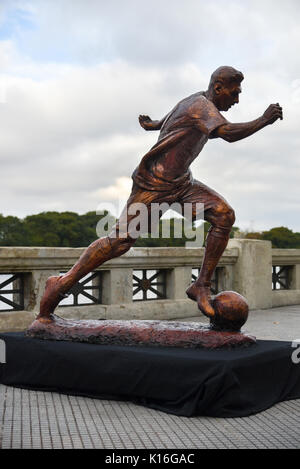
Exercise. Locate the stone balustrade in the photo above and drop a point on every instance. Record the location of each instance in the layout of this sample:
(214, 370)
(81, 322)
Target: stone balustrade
(145, 283)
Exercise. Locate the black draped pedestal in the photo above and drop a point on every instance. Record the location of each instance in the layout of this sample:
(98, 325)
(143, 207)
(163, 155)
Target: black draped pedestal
(188, 382)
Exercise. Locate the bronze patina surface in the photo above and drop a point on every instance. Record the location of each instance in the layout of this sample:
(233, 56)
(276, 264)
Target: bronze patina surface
(231, 311)
(163, 175)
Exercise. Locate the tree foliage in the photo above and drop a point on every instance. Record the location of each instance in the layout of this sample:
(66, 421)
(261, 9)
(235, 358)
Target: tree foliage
(281, 237)
(66, 229)
(69, 229)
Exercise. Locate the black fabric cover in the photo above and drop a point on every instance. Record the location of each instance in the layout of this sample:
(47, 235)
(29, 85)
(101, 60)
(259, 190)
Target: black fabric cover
(188, 382)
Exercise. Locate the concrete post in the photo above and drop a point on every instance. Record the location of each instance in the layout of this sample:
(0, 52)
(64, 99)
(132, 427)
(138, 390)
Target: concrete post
(34, 286)
(295, 280)
(178, 280)
(252, 276)
(117, 286)
(225, 278)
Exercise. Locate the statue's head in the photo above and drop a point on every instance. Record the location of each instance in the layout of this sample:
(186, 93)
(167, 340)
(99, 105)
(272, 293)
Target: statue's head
(225, 87)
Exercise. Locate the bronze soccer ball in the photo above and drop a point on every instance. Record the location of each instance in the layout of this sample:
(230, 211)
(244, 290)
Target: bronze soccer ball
(231, 311)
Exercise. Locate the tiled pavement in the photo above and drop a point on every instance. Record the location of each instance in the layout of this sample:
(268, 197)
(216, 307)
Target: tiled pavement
(45, 420)
(30, 419)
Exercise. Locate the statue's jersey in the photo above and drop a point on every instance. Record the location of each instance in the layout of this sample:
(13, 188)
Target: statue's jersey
(183, 134)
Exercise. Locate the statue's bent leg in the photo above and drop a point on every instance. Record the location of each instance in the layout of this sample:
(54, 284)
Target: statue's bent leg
(221, 216)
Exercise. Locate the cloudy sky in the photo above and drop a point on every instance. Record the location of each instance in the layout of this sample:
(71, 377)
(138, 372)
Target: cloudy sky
(75, 74)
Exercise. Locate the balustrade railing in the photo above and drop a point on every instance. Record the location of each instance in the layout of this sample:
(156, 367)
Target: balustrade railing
(11, 292)
(145, 282)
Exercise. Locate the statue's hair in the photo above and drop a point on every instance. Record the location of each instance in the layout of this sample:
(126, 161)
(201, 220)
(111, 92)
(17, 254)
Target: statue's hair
(225, 75)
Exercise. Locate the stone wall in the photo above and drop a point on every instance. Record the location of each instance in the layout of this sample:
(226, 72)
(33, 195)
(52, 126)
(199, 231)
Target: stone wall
(246, 267)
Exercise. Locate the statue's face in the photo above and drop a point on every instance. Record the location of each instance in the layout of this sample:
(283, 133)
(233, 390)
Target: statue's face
(227, 96)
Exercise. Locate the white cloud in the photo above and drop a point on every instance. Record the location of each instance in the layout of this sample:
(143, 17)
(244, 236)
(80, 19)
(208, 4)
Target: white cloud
(119, 190)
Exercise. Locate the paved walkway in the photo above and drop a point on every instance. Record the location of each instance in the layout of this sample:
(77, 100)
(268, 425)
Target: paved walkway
(30, 419)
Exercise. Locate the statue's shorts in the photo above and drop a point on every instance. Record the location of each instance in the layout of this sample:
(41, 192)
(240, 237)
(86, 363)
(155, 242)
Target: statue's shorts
(190, 198)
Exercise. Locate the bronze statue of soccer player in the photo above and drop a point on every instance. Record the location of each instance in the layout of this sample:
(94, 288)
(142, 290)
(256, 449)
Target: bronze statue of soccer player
(164, 176)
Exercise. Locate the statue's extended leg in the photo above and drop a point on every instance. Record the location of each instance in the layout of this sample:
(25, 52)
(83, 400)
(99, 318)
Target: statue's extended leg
(222, 218)
(96, 254)
(100, 251)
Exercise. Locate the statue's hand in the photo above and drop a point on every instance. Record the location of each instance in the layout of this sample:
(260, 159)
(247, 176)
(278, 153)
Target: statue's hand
(145, 122)
(273, 113)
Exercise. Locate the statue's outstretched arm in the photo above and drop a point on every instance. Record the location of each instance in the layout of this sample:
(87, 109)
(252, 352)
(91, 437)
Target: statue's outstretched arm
(234, 132)
(148, 124)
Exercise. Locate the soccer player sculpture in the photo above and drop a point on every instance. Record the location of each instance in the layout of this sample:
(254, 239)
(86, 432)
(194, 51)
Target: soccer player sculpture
(163, 175)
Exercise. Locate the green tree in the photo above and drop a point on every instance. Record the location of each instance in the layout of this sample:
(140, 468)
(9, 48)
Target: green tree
(12, 231)
(254, 235)
(68, 229)
(53, 229)
(282, 237)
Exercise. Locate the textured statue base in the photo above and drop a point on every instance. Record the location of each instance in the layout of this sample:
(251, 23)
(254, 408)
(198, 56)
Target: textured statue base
(138, 333)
